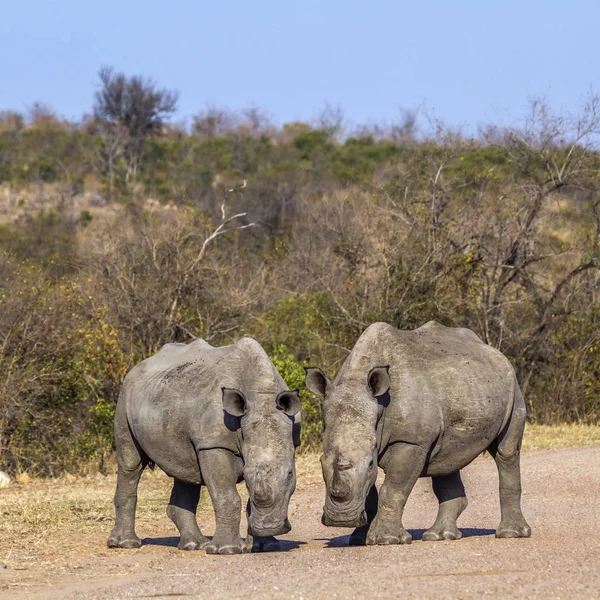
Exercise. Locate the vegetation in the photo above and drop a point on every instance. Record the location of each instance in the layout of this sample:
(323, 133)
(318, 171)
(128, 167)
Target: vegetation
(123, 232)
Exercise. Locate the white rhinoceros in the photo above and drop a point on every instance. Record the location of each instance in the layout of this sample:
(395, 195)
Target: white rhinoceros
(421, 403)
(209, 416)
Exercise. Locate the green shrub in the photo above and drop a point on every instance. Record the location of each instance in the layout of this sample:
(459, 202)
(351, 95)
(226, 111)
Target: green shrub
(293, 374)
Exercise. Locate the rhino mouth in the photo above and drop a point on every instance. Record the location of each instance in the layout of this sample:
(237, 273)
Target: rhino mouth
(344, 521)
(267, 531)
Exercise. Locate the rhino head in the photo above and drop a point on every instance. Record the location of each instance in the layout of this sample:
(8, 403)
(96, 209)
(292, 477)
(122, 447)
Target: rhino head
(349, 460)
(265, 424)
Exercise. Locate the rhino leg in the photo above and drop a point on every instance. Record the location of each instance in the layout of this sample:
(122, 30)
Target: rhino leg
(359, 535)
(182, 511)
(506, 450)
(220, 472)
(403, 467)
(450, 492)
(131, 461)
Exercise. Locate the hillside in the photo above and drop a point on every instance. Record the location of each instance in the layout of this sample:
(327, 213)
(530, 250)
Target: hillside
(296, 235)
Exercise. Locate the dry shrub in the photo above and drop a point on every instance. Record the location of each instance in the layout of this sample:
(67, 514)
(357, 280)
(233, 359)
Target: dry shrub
(501, 236)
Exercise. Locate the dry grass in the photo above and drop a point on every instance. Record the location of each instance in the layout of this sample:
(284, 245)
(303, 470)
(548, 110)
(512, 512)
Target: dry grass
(51, 522)
(548, 437)
(44, 507)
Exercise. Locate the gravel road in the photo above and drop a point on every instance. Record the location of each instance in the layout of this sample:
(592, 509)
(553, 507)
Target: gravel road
(560, 560)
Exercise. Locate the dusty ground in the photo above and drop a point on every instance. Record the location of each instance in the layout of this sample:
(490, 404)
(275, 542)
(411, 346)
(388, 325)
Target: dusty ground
(53, 536)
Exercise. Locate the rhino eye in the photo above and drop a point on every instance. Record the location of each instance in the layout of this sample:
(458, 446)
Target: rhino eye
(371, 464)
(289, 475)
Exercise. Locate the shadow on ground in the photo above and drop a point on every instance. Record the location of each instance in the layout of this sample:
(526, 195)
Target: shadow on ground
(466, 532)
(161, 541)
(171, 542)
(342, 540)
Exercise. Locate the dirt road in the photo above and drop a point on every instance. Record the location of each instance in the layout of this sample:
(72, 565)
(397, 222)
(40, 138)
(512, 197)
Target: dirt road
(561, 560)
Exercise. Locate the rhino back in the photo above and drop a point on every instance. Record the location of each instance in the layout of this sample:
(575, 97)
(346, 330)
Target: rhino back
(448, 388)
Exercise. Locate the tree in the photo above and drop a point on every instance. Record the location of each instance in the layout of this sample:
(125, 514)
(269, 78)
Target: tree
(129, 109)
(331, 121)
(553, 156)
(213, 122)
(406, 130)
(42, 117)
(228, 225)
(11, 120)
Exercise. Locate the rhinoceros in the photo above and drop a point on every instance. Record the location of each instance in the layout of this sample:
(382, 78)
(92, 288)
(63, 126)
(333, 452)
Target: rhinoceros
(209, 416)
(421, 403)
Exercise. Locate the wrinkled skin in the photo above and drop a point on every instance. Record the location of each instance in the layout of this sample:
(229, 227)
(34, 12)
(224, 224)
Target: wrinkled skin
(214, 417)
(421, 403)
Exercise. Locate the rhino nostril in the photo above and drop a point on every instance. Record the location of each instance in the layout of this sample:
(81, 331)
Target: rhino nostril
(343, 466)
(339, 494)
(262, 502)
(337, 498)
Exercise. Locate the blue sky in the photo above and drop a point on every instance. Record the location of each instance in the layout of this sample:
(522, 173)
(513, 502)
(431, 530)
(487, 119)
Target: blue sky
(470, 62)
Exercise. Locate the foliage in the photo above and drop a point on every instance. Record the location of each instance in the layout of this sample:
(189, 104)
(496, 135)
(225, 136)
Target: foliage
(61, 365)
(134, 103)
(48, 237)
(101, 265)
(128, 110)
(292, 372)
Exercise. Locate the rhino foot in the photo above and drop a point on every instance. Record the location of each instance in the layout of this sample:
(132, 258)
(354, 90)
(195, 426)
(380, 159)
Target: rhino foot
(518, 529)
(192, 542)
(378, 536)
(442, 532)
(123, 541)
(262, 544)
(225, 545)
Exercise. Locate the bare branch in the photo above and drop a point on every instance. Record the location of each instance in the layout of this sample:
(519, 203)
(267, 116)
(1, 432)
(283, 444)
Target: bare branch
(185, 330)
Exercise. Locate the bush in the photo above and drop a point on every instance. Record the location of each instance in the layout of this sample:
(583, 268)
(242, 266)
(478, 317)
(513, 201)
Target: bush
(502, 237)
(61, 369)
(293, 374)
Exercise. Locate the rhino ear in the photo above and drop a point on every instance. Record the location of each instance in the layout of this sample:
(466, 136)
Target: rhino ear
(289, 402)
(316, 380)
(234, 402)
(378, 380)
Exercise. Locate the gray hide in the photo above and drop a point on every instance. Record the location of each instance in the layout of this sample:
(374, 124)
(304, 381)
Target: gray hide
(417, 403)
(209, 416)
